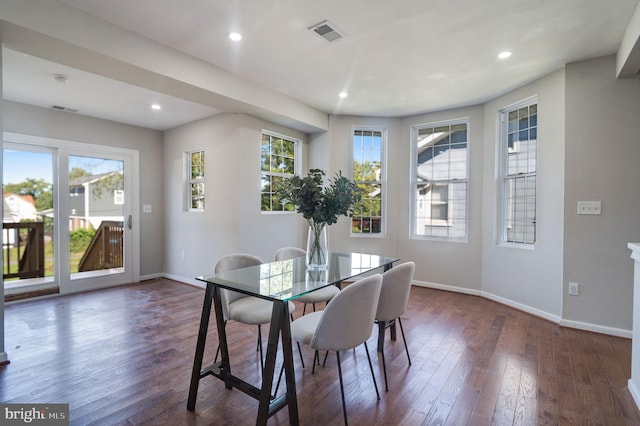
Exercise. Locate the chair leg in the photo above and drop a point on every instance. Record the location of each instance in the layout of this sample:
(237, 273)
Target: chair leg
(282, 371)
(384, 369)
(344, 405)
(218, 350)
(314, 307)
(382, 326)
(375, 384)
(300, 352)
(404, 340)
(298, 343)
(316, 356)
(259, 338)
(325, 358)
(260, 346)
(304, 308)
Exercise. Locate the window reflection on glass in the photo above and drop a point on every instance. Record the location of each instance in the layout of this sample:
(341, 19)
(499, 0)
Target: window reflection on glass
(277, 278)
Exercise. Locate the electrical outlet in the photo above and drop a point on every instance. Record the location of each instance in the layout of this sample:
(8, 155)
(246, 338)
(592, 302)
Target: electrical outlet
(573, 289)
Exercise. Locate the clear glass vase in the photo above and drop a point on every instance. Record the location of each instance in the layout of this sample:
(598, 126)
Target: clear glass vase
(317, 248)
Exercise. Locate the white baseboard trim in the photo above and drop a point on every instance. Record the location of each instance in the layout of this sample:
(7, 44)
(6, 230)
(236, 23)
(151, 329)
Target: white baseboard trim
(151, 277)
(189, 281)
(447, 288)
(525, 308)
(618, 332)
(634, 392)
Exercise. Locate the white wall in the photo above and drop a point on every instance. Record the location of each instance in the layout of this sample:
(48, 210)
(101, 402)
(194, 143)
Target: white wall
(232, 221)
(339, 157)
(602, 164)
(437, 262)
(35, 121)
(441, 263)
(528, 278)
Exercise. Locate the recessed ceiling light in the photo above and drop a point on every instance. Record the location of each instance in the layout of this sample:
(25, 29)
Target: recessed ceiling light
(343, 94)
(504, 55)
(235, 36)
(156, 107)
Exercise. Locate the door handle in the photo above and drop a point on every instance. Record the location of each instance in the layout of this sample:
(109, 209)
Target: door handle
(129, 222)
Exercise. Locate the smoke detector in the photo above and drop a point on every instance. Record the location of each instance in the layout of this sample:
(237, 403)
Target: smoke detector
(61, 78)
(327, 31)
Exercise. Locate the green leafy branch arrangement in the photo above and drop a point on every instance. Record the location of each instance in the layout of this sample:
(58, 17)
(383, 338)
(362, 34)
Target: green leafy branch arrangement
(320, 205)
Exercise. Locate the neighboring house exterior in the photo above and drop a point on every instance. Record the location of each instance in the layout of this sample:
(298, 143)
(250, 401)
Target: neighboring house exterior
(16, 208)
(95, 198)
(438, 206)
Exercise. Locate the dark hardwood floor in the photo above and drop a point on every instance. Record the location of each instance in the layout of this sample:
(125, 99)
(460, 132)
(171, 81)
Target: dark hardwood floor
(124, 356)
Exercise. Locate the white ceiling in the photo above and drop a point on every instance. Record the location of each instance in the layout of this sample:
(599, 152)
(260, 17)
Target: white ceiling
(28, 79)
(397, 58)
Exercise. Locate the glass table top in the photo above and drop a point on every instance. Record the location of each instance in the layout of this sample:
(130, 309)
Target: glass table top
(289, 279)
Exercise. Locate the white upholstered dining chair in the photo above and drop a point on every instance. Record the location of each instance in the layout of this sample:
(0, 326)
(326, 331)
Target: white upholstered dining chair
(241, 307)
(322, 295)
(394, 297)
(345, 323)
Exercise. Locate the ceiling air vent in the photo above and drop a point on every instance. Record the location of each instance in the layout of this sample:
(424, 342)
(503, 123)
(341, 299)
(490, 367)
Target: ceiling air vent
(327, 31)
(62, 108)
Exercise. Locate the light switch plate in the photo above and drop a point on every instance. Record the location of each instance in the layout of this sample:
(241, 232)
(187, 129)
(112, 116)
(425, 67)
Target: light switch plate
(590, 207)
(146, 208)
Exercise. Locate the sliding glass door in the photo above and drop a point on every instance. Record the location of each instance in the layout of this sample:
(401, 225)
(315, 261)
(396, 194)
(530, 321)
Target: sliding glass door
(28, 233)
(96, 215)
(86, 206)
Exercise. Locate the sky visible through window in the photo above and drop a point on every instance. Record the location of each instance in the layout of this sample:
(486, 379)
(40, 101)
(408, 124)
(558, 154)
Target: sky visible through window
(18, 166)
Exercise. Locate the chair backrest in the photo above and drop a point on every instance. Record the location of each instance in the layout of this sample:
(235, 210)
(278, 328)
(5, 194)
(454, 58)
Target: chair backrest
(286, 253)
(347, 321)
(229, 263)
(394, 295)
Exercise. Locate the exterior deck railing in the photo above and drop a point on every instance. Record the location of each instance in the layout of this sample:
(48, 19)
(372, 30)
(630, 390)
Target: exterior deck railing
(23, 250)
(105, 249)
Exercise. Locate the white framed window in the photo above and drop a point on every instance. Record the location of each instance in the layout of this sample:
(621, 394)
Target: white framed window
(368, 173)
(518, 168)
(195, 180)
(278, 160)
(440, 180)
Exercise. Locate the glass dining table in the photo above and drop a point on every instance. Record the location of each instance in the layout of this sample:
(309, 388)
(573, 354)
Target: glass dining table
(280, 282)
